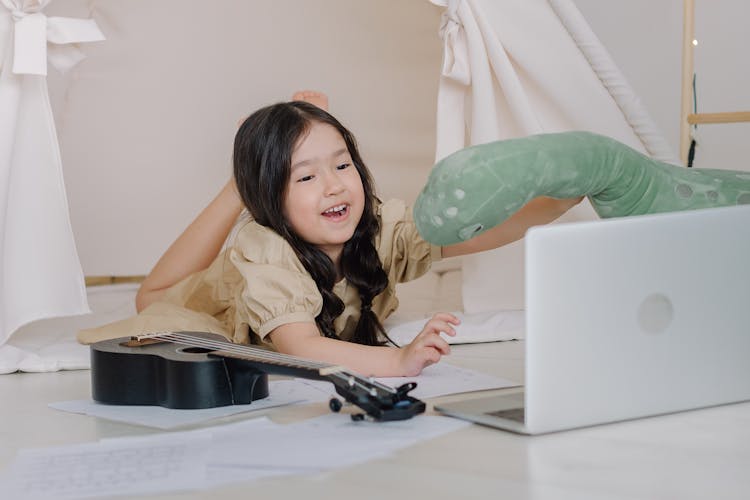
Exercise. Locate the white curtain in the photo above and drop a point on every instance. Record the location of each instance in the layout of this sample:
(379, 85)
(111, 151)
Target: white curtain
(513, 68)
(40, 273)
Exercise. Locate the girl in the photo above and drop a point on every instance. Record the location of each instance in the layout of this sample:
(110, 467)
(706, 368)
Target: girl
(314, 274)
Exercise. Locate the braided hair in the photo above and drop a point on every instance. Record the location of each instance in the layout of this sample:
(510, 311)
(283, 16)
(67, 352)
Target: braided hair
(262, 161)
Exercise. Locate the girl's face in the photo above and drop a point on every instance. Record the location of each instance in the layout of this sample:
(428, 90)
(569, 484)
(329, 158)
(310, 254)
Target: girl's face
(324, 199)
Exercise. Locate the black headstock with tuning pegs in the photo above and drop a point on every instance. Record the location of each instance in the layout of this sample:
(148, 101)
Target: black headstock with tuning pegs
(377, 400)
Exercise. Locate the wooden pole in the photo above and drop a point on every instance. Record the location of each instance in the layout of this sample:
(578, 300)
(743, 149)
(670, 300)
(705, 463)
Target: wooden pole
(727, 117)
(112, 280)
(688, 35)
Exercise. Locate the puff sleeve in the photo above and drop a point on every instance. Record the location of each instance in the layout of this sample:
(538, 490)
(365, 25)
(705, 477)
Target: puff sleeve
(276, 288)
(405, 254)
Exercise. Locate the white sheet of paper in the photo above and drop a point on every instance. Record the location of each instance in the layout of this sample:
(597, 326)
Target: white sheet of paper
(115, 467)
(210, 457)
(489, 326)
(281, 392)
(332, 440)
(436, 380)
(218, 472)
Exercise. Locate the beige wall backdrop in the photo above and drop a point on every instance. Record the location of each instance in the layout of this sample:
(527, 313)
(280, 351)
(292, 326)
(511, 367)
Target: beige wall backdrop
(146, 122)
(645, 39)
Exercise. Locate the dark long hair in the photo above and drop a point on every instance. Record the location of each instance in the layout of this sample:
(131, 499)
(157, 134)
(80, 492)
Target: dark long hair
(262, 163)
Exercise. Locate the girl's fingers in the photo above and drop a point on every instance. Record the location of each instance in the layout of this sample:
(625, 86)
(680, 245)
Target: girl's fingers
(448, 317)
(429, 345)
(437, 326)
(438, 343)
(430, 362)
(432, 357)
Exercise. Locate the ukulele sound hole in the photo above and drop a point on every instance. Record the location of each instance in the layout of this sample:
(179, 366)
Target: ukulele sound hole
(195, 350)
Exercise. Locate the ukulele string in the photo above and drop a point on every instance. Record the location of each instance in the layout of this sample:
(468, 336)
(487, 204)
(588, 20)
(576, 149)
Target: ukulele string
(368, 384)
(273, 358)
(256, 353)
(351, 379)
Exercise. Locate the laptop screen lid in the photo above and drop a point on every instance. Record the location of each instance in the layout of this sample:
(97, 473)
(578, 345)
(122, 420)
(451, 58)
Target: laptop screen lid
(636, 316)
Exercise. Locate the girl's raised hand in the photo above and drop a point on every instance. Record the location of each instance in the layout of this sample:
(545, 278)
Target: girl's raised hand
(428, 346)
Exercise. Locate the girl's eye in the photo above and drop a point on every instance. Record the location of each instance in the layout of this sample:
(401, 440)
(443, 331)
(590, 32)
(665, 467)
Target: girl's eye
(305, 178)
(343, 166)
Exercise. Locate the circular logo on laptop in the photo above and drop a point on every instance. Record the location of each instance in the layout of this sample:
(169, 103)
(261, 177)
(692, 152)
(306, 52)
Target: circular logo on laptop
(655, 313)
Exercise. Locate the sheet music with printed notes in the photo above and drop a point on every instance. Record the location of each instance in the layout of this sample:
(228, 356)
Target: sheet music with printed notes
(210, 457)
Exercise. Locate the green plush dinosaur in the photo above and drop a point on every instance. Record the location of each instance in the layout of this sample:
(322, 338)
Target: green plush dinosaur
(479, 187)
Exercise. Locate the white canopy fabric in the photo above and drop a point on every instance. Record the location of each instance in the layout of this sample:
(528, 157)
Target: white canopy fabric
(40, 273)
(513, 68)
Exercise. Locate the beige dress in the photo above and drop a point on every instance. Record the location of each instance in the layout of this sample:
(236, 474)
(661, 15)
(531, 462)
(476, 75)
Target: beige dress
(259, 284)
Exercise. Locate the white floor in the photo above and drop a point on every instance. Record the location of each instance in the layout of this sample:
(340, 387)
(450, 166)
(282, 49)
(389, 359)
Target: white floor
(692, 455)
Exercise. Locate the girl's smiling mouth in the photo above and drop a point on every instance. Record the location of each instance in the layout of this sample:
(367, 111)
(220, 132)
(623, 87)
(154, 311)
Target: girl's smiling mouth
(336, 212)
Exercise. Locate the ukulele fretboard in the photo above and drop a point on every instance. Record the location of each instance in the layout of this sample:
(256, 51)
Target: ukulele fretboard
(248, 353)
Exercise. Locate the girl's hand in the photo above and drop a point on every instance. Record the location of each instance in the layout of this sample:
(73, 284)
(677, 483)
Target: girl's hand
(427, 347)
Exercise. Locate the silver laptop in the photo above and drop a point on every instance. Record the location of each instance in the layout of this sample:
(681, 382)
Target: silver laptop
(628, 318)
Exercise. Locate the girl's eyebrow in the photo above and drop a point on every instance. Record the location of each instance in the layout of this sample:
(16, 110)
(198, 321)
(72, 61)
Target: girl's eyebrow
(301, 164)
(335, 154)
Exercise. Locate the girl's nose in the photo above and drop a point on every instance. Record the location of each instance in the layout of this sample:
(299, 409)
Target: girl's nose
(334, 184)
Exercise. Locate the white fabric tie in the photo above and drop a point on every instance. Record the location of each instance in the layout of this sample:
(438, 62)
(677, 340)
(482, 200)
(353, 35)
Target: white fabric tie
(455, 48)
(32, 31)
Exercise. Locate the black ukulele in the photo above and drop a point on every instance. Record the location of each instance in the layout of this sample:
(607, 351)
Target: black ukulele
(189, 370)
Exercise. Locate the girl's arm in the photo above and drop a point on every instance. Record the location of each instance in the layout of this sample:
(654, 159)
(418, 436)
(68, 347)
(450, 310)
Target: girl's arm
(304, 340)
(539, 211)
(195, 248)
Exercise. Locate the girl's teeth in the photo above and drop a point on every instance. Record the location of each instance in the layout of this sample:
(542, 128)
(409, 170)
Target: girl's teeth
(335, 209)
